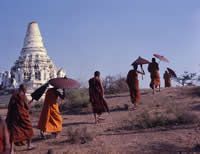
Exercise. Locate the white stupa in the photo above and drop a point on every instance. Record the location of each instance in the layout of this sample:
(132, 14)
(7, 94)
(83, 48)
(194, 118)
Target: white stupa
(34, 67)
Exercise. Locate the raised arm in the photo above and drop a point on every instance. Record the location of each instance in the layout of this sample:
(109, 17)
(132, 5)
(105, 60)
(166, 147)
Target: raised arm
(143, 73)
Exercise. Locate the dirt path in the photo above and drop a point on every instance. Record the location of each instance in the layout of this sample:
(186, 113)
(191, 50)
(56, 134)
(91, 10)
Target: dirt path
(110, 139)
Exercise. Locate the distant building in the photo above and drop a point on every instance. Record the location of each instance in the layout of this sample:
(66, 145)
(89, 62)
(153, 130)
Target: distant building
(33, 67)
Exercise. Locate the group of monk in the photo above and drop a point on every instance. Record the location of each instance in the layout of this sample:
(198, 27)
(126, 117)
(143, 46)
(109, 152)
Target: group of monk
(133, 82)
(17, 128)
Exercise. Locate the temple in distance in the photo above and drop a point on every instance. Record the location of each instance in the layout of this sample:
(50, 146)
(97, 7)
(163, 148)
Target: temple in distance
(33, 67)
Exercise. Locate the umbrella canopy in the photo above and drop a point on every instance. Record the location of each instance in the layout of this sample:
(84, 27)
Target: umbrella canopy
(140, 60)
(37, 94)
(161, 57)
(171, 72)
(66, 83)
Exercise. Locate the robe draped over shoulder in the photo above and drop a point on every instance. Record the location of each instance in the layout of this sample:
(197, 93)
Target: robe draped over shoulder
(133, 84)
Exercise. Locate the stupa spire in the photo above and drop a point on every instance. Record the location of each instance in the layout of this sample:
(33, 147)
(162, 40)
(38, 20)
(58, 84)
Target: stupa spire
(33, 38)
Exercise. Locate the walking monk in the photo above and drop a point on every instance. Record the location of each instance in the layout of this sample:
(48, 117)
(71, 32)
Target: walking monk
(133, 84)
(4, 137)
(167, 78)
(50, 118)
(153, 68)
(18, 122)
(96, 93)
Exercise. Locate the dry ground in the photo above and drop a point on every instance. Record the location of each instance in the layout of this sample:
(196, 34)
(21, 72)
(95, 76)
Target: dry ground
(113, 137)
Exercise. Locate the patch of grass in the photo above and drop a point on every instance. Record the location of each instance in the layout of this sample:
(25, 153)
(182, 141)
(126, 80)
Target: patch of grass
(147, 121)
(175, 116)
(80, 135)
(76, 101)
(78, 96)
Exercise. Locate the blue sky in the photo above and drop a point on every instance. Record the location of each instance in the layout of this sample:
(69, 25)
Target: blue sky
(106, 35)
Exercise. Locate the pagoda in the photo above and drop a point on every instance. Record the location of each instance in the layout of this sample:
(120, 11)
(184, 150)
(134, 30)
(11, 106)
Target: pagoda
(33, 67)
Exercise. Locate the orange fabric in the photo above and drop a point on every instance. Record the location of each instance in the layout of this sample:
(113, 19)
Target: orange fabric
(167, 79)
(18, 121)
(155, 77)
(133, 84)
(4, 137)
(50, 118)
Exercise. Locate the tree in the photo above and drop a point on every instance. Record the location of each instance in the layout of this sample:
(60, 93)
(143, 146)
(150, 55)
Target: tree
(186, 78)
(114, 84)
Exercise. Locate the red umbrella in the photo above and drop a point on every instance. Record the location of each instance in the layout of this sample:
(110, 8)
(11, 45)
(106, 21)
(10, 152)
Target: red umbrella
(171, 72)
(161, 57)
(140, 60)
(64, 83)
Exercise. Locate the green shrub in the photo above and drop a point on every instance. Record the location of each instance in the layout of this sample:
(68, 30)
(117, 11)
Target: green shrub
(76, 100)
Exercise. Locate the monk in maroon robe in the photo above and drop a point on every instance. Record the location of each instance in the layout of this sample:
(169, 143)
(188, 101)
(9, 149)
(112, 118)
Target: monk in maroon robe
(96, 93)
(18, 122)
(133, 84)
(167, 78)
(153, 68)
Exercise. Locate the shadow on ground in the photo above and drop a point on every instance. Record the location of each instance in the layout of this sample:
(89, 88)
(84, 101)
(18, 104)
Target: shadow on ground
(196, 108)
(78, 111)
(116, 96)
(76, 123)
(196, 91)
(158, 147)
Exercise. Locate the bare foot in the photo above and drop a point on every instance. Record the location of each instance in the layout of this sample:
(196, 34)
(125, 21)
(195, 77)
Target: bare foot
(31, 147)
(100, 118)
(42, 135)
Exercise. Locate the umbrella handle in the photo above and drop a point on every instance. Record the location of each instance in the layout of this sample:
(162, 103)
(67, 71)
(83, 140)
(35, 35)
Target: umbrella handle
(142, 70)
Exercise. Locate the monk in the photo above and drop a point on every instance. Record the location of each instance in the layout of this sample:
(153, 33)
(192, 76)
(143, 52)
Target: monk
(167, 78)
(153, 68)
(96, 93)
(18, 121)
(133, 84)
(50, 118)
(4, 137)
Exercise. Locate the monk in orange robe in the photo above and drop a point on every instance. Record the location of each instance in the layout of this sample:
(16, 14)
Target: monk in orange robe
(96, 93)
(4, 137)
(133, 84)
(18, 121)
(167, 78)
(153, 68)
(50, 118)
